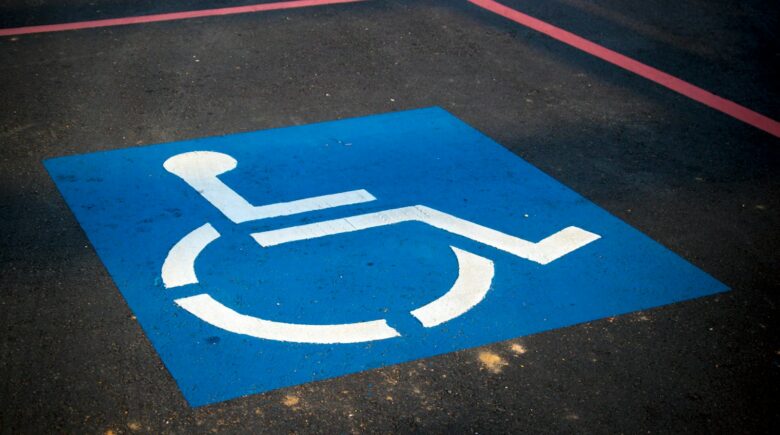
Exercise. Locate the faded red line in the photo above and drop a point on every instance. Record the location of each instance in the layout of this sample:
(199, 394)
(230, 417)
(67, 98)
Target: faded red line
(693, 92)
(170, 16)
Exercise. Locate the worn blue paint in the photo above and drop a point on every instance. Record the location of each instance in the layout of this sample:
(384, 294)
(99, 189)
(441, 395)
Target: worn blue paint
(133, 211)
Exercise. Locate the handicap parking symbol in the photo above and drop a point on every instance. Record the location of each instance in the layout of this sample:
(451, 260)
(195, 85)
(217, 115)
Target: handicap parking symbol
(268, 259)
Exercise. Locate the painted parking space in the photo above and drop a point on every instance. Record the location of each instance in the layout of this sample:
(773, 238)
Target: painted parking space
(367, 242)
(170, 16)
(693, 92)
(76, 351)
(662, 78)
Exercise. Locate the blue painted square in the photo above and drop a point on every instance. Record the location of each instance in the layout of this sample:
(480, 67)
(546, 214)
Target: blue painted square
(371, 268)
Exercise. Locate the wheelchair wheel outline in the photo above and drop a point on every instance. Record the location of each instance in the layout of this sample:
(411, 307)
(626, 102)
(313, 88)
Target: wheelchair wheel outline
(475, 275)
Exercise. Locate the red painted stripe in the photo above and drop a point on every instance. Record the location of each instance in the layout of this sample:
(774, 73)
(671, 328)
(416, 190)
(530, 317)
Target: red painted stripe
(170, 16)
(693, 92)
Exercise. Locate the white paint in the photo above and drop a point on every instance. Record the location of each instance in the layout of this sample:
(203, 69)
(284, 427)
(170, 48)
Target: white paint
(200, 169)
(475, 274)
(179, 266)
(214, 313)
(543, 252)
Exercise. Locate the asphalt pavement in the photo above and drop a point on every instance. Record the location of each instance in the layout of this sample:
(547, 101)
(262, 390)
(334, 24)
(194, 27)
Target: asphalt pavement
(73, 358)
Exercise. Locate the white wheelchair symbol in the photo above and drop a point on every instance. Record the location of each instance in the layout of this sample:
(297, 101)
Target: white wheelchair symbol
(200, 169)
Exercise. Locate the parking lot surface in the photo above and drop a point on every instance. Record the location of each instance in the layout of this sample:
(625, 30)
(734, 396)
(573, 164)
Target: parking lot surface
(694, 179)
